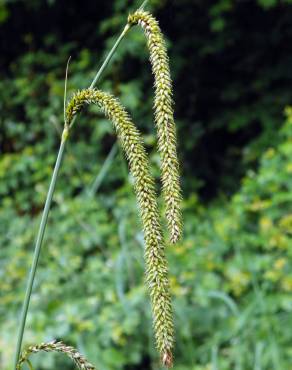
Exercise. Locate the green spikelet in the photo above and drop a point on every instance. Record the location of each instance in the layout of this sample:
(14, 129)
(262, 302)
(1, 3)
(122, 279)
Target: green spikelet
(164, 120)
(156, 264)
(54, 346)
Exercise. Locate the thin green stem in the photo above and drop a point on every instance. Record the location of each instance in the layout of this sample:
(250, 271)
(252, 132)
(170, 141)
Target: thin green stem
(143, 5)
(109, 56)
(48, 202)
(37, 251)
(102, 173)
(106, 62)
(29, 364)
(65, 87)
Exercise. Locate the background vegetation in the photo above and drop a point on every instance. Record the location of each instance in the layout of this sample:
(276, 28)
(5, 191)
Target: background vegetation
(231, 275)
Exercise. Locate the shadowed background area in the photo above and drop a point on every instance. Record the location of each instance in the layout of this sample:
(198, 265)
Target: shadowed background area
(231, 275)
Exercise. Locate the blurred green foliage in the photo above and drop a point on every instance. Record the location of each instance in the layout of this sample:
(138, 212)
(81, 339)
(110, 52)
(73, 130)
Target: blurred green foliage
(231, 276)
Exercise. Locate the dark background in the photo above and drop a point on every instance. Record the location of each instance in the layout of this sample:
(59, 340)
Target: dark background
(231, 278)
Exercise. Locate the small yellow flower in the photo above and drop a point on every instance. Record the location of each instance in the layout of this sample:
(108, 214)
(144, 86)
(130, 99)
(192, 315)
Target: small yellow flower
(259, 205)
(278, 241)
(265, 224)
(286, 283)
(239, 281)
(288, 167)
(285, 223)
(272, 275)
(279, 263)
(288, 113)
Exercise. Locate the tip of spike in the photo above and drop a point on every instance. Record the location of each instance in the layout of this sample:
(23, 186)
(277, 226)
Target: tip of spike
(174, 238)
(175, 233)
(167, 359)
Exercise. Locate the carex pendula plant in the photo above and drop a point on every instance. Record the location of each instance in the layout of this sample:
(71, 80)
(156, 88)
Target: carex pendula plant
(156, 265)
(163, 110)
(131, 142)
(55, 346)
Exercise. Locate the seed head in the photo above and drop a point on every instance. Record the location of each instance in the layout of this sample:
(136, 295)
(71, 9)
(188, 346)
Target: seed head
(163, 107)
(55, 346)
(155, 259)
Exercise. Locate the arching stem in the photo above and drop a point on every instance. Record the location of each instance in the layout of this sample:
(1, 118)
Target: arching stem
(48, 202)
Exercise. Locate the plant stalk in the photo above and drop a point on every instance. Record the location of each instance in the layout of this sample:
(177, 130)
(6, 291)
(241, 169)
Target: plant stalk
(48, 202)
(37, 251)
(110, 54)
(102, 173)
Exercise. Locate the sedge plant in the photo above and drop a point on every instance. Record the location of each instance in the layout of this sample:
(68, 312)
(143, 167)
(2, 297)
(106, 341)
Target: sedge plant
(163, 110)
(55, 346)
(132, 144)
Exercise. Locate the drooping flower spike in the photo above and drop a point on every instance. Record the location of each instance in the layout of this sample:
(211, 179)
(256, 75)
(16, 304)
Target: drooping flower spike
(55, 346)
(131, 142)
(155, 259)
(163, 106)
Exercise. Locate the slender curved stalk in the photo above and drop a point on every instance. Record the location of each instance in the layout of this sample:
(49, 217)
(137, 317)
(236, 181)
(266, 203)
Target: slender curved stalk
(101, 175)
(48, 202)
(38, 247)
(110, 54)
(143, 5)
